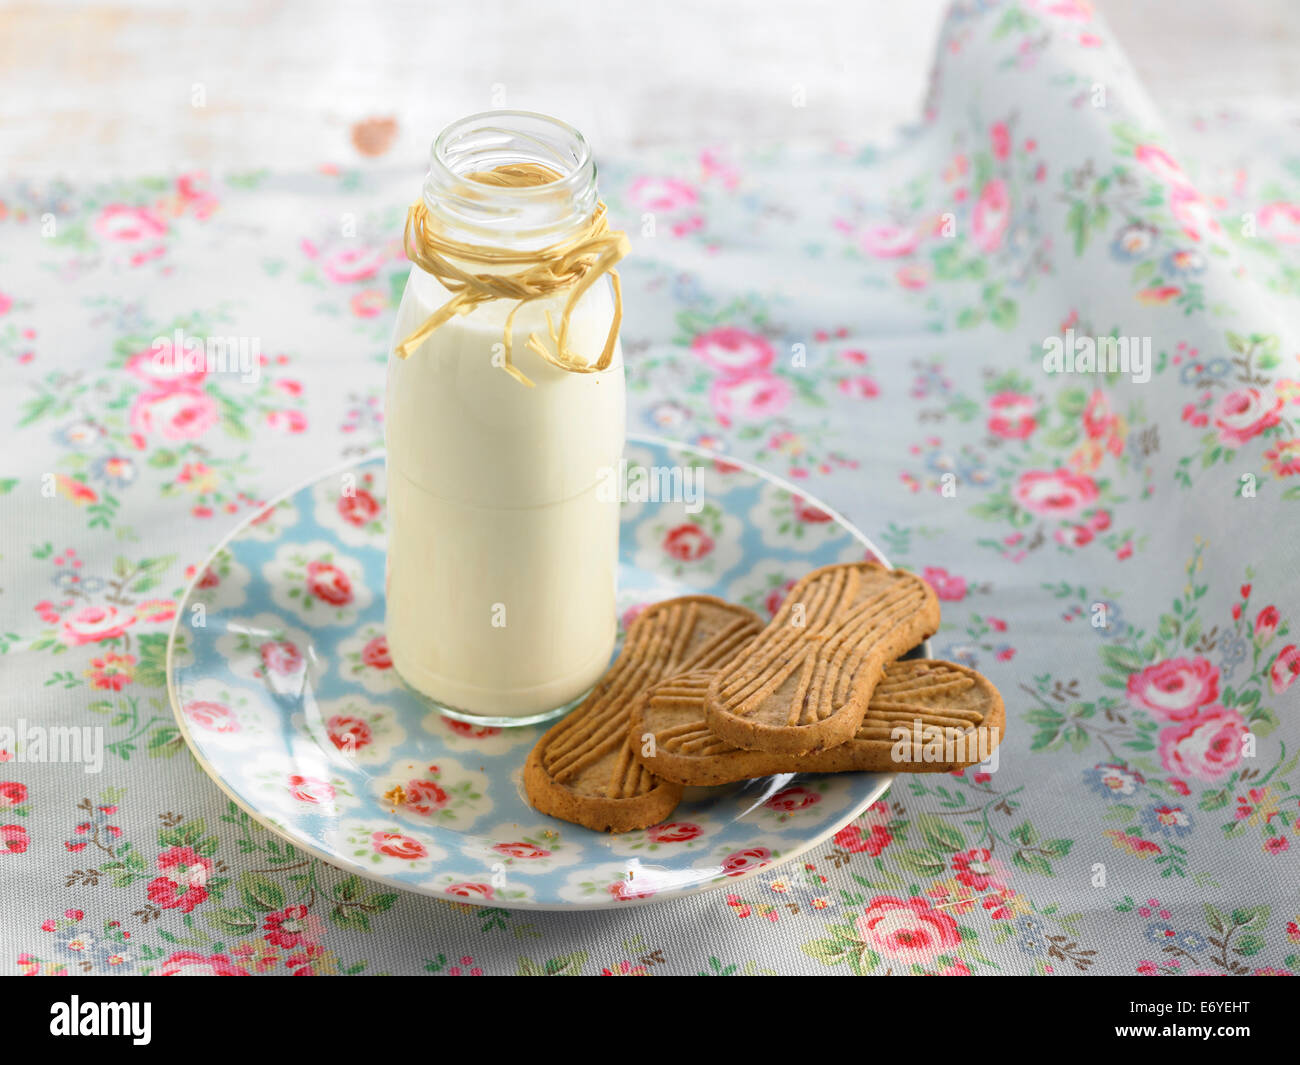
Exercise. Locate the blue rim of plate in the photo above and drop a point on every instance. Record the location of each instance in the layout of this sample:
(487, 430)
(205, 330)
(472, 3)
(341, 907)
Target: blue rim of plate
(742, 864)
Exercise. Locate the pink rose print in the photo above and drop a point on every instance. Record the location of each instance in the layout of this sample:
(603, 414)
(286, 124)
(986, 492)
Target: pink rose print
(661, 194)
(947, 586)
(12, 793)
(375, 654)
(111, 672)
(1162, 165)
(179, 413)
(1279, 222)
(1055, 493)
(1174, 689)
(526, 851)
(1206, 747)
(1000, 140)
(1011, 416)
(992, 216)
(889, 242)
(733, 351)
(749, 399)
(310, 789)
(329, 583)
(1266, 624)
(127, 225)
(674, 832)
(1244, 413)
(349, 264)
(290, 927)
(852, 839)
(183, 883)
(777, 596)
(188, 963)
(907, 930)
(1285, 668)
(787, 800)
(396, 845)
(281, 657)
(211, 716)
(424, 797)
(687, 543)
(13, 839)
(1193, 213)
(746, 861)
(347, 733)
(162, 378)
(807, 513)
(468, 730)
(470, 891)
(91, 624)
(359, 508)
(287, 421)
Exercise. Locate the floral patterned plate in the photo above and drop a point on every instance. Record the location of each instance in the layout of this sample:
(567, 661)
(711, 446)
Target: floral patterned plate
(279, 676)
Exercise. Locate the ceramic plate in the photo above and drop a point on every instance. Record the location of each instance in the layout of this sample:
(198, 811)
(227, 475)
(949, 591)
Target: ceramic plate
(278, 674)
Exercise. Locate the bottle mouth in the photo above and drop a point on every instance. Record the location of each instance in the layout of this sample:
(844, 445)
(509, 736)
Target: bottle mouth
(530, 215)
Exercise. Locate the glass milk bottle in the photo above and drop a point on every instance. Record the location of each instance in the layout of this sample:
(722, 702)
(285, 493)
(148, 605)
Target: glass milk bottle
(502, 553)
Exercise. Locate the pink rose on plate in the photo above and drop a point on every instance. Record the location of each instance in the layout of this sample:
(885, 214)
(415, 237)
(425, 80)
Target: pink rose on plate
(329, 583)
(777, 595)
(522, 850)
(375, 654)
(468, 890)
(310, 790)
(425, 797)
(674, 832)
(756, 397)
(992, 216)
(687, 543)
(396, 845)
(807, 512)
(190, 963)
(907, 930)
(661, 193)
(1205, 747)
(733, 351)
(1054, 493)
(352, 263)
(947, 586)
(1176, 688)
(888, 241)
(793, 798)
(1280, 222)
(281, 657)
(746, 861)
(119, 222)
(211, 716)
(359, 508)
(1244, 413)
(349, 733)
(91, 624)
(179, 413)
(1011, 416)
(1285, 668)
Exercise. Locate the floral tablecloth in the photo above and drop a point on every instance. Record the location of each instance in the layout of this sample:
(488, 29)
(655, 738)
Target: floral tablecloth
(1117, 554)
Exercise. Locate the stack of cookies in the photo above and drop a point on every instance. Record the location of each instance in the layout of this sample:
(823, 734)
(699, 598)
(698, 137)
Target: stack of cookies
(703, 693)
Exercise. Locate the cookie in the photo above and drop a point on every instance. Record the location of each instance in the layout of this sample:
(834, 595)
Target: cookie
(583, 768)
(804, 684)
(946, 699)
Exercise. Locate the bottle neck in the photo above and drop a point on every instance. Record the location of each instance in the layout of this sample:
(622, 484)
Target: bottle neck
(512, 180)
